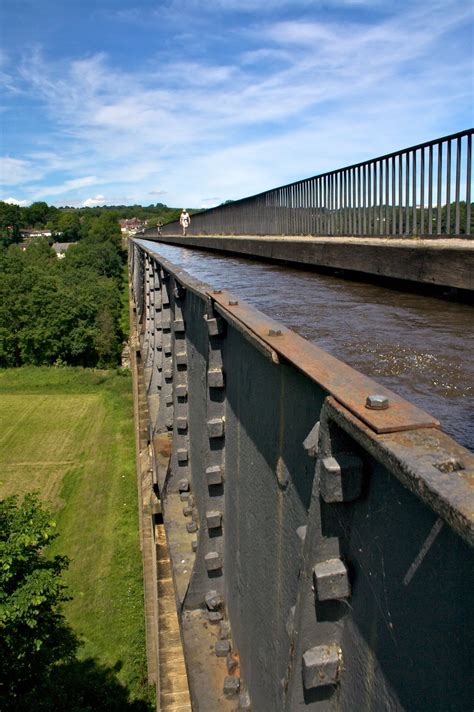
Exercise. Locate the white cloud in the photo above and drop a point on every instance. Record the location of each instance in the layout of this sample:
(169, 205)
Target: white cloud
(14, 171)
(96, 200)
(14, 201)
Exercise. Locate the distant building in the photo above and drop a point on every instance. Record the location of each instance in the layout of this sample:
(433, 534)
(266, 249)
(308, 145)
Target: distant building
(132, 226)
(60, 248)
(35, 233)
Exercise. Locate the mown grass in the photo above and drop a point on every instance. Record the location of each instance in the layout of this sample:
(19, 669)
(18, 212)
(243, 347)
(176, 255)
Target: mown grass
(67, 433)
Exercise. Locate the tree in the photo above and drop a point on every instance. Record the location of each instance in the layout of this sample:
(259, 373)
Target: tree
(37, 214)
(34, 636)
(10, 223)
(69, 225)
(106, 343)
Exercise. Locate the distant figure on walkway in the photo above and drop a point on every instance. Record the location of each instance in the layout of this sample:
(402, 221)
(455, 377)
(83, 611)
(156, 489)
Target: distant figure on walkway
(184, 220)
(159, 225)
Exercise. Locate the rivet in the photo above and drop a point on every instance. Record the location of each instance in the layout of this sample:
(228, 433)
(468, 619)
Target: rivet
(194, 545)
(451, 465)
(233, 302)
(191, 527)
(183, 485)
(217, 291)
(274, 332)
(377, 402)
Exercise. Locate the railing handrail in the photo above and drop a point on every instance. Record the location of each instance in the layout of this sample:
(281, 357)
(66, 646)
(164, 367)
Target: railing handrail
(369, 161)
(403, 192)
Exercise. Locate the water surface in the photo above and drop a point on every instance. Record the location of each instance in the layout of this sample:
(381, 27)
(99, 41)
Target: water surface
(419, 346)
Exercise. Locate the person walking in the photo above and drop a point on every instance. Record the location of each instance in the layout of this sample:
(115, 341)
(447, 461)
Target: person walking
(184, 220)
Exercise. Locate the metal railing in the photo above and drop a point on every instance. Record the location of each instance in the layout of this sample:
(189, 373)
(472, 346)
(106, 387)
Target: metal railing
(424, 190)
(320, 527)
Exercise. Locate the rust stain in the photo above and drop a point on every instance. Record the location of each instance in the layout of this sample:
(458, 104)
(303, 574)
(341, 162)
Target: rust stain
(347, 385)
(163, 444)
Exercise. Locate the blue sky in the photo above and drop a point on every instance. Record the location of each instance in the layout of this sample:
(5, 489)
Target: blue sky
(192, 102)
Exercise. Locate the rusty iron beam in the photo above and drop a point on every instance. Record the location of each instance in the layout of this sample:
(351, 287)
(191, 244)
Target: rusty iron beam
(350, 387)
(428, 462)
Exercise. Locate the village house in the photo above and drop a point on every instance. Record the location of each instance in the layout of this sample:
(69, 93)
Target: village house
(132, 226)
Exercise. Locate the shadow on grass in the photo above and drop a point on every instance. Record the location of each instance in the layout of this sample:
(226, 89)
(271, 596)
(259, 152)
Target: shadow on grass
(77, 686)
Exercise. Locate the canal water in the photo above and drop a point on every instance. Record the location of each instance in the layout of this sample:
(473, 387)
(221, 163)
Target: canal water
(419, 346)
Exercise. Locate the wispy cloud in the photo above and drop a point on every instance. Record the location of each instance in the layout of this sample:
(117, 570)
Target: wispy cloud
(14, 171)
(287, 98)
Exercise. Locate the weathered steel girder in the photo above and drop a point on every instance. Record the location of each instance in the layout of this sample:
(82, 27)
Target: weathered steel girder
(320, 528)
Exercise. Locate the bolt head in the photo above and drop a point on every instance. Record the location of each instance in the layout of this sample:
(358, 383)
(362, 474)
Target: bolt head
(321, 666)
(213, 561)
(214, 519)
(222, 648)
(233, 302)
(274, 332)
(214, 616)
(214, 475)
(377, 402)
(231, 685)
(331, 580)
(213, 600)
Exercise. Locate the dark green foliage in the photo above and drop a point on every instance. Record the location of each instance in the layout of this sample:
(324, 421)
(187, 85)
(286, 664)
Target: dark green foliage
(34, 635)
(63, 311)
(38, 214)
(39, 669)
(10, 223)
(70, 224)
(67, 226)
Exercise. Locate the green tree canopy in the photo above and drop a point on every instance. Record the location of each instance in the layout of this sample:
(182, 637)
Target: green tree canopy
(10, 223)
(34, 635)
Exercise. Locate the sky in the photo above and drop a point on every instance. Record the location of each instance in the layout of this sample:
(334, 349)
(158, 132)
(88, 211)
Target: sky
(194, 102)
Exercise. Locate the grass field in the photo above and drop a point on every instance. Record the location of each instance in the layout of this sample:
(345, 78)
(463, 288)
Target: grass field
(68, 434)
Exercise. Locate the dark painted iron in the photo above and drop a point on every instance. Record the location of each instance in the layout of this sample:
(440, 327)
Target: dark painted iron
(334, 541)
